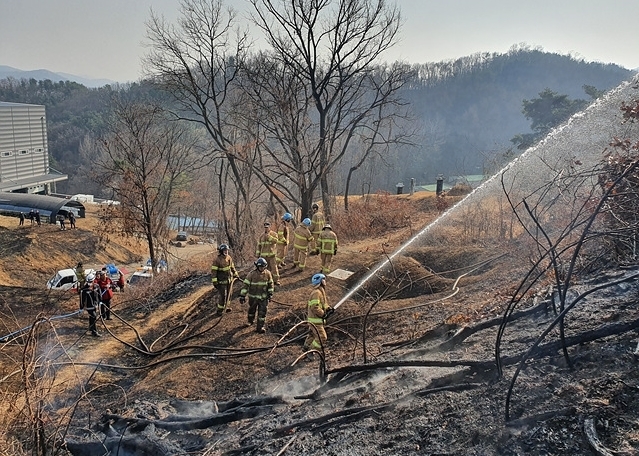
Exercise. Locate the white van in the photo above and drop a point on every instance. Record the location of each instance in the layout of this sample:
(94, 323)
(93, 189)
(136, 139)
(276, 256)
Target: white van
(65, 279)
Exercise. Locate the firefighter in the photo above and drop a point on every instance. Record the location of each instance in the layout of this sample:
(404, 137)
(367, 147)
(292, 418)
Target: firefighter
(318, 311)
(90, 301)
(222, 271)
(106, 293)
(258, 286)
(317, 223)
(327, 243)
(302, 237)
(266, 249)
(79, 273)
(282, 240)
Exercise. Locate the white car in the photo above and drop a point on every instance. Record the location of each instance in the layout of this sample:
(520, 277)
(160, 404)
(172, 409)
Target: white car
(142, 276)
(65, 279)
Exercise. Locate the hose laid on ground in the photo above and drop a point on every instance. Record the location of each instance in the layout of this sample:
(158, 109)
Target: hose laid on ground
(15, 334)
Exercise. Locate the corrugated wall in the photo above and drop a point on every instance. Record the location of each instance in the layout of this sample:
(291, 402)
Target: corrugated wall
(23, 141)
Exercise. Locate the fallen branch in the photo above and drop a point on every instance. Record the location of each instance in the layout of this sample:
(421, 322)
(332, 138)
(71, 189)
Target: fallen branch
(324, 418)
(593, 439)
(541, 351)
(567, 411)
(199, 423)
(464, 332)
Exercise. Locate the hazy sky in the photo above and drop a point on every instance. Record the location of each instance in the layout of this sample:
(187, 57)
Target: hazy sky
(104, 38)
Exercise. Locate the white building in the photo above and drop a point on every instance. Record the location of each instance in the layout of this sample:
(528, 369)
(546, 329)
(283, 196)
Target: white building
(24, 154)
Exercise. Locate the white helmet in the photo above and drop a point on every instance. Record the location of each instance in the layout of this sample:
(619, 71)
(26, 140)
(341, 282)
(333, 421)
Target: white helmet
(90, 277)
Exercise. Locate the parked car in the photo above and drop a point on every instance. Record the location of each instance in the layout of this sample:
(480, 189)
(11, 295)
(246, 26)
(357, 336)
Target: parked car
(65, 279)
(143, 276)
(182, 236)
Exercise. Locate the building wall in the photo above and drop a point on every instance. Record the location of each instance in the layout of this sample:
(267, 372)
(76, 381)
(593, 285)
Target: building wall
(23, 141)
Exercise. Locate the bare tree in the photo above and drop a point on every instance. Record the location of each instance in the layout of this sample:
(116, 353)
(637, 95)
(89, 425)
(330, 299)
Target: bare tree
(146, 159)
(597, 211)
(326, 51)
(197, 62)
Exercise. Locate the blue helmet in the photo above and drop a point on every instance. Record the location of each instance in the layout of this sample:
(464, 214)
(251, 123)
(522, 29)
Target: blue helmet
(317, 279)
(307, 221)
(261, 262)
(287, 217)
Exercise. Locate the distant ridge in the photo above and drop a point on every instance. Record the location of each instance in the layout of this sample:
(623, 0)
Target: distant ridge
(41, 75)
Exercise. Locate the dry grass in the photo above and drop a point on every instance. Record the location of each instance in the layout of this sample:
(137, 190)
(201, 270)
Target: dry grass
(377, 214)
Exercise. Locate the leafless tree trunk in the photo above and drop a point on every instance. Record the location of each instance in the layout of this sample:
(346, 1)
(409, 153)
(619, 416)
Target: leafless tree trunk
(563, 217)
(325, 51)
(144, 158)
(197, 62)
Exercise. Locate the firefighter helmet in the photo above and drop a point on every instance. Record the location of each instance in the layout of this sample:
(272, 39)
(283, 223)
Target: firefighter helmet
(90, 277)
(327, 225)
(287, 217)
(315, 207)
(261, 262)
(222, 247)
(317, 279)
(307, 221)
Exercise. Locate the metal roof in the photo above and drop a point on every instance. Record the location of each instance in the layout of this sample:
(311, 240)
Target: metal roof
(32, 181)
(9, 104)
(49, 206)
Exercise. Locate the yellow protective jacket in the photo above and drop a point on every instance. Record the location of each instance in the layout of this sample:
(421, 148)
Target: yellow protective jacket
(222, 270)
(317, 306)
(79, 273)
(302, 236)
(282, 234)
(258, 285)
(266, 245)
(327, 242)
(317, 223)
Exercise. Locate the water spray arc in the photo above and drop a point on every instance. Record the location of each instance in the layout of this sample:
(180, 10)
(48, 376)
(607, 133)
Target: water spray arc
(408, 243)
(581, 139)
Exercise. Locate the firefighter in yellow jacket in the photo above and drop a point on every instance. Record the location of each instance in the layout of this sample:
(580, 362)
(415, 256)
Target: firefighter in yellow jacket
(301, 240)
(222, 272)
(266, 245)
(282, 240)
(317, 223)
(327, 243)
(258, 286)
(318, 311)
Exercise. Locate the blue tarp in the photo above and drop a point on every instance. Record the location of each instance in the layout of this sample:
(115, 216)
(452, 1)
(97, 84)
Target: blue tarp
(111, 269)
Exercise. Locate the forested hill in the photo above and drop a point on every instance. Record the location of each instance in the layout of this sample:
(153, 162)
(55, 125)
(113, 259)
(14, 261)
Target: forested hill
(470, 108)
(465, 112)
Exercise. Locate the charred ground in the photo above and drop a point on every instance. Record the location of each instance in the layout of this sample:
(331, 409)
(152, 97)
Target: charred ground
(409, 364)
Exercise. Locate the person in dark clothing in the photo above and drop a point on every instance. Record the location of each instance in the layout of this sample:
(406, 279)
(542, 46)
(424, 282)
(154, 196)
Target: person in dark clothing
(61, 220)
(32, 216)
(89, 301)
(72, 220)
(21, 218)
(37, 217)
(121, 281)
